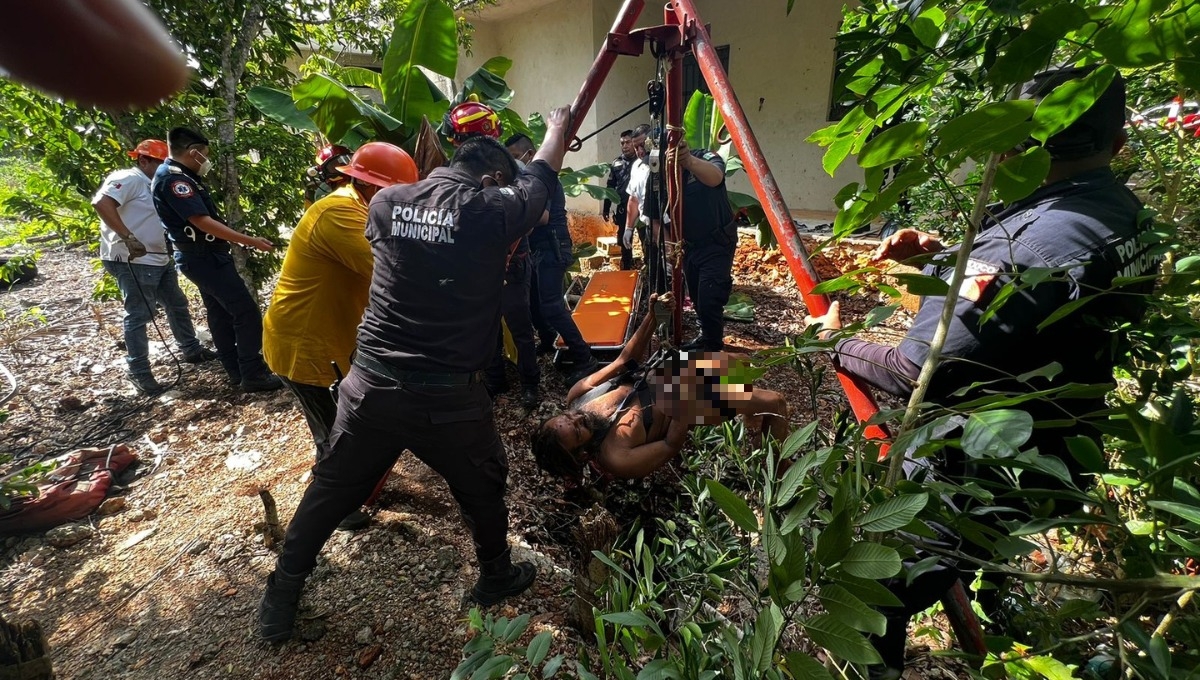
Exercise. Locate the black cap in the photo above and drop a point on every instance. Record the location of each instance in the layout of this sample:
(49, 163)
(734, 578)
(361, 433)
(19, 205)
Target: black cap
(180, 138)
(1096, 129)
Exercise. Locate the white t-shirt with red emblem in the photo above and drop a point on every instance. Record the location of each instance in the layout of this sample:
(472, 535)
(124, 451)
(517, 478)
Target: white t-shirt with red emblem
(130, 188)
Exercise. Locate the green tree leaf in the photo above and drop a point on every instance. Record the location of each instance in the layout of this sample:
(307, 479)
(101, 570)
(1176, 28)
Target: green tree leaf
(1190, 513)
(1030, 51)
(834, 540)
(539, 647)
(732, 505)
(702, 119)
(423, 35)
(766, 635)
(1021, 175)
(634, 618)
(279, 106)
(922, 284)
(893, 513)
(494, 667)
(804, 667)
(659, 669)
(895, 143)
(871, 560)
(999, 433)
(336, 109)
(840, 640)
(990, 128)
(850, 610)
(1087, 452)
(1059, 109)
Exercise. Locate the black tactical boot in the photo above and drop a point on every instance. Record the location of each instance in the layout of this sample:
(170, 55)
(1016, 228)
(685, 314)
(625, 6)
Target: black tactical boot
(531, 397)
(500, 578)
(263, 382)
(280, 602)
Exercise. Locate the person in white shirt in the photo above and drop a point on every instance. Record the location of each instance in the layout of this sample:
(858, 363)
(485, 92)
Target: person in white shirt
(133, 250)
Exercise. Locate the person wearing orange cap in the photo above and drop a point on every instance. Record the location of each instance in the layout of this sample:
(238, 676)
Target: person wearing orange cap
(322, 291)
(130, 230)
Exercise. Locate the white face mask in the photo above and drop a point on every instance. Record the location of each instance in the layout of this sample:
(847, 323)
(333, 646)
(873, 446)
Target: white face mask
(205, 165)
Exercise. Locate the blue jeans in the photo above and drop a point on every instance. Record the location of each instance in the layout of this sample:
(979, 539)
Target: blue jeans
(233, 315)
(552, 313)
(144, 288)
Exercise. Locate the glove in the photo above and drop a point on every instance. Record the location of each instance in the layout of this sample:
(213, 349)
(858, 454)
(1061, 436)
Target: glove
(136, 248)
(627, 238)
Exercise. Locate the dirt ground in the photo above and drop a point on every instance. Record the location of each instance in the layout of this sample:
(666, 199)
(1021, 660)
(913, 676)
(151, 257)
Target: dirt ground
(167, 586)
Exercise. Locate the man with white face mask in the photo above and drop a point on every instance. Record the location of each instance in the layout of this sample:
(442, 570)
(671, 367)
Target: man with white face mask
(200, 239)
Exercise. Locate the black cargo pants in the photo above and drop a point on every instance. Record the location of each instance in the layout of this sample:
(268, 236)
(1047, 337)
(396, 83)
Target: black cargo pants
(708, 271)
(449, 428)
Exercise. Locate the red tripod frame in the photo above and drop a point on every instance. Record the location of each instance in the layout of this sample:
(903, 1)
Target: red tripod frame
(681, 32)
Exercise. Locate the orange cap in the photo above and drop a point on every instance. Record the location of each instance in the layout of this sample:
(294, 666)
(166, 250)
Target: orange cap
(154, 148)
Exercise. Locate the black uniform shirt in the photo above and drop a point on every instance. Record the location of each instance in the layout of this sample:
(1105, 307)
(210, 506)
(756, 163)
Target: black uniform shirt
(554, 237)
(179, 194)
(439, 248)
(706, 211)
(618, 181)
(1093, 228)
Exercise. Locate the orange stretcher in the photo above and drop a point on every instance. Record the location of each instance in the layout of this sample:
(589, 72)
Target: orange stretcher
(604, 313)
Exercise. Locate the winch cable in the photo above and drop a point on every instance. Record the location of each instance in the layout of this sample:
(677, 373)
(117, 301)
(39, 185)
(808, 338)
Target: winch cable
(577, 143)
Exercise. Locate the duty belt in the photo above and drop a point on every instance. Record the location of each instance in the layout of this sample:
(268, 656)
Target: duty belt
(383, 370)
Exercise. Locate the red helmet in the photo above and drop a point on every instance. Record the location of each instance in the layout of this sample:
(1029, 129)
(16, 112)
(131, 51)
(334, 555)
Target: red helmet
(332, 152)
(381, 164)
(154, 148)
(471, 118)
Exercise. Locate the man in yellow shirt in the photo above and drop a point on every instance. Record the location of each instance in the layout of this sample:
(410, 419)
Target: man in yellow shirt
(322, 291)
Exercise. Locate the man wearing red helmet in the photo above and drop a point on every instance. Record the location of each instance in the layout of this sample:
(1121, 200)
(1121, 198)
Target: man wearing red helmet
(469, 119)
(130, 230)
(323, 287)
(323, 178)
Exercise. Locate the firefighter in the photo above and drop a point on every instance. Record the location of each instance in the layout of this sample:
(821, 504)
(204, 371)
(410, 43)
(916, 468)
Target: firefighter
(709, 242)
(322, 291)
(201, 241)
(470, 119)
(323, 178)
(415, 383)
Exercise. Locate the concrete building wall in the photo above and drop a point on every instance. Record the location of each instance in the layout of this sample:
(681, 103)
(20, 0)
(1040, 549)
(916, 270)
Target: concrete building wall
(552, 46)
(780, 66)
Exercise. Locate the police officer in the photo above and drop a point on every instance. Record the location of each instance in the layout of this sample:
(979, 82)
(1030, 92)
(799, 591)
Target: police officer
(710, 238)
(553, 251)
(1082, 221)
(618, 182)
(416, 383)
(201, 241)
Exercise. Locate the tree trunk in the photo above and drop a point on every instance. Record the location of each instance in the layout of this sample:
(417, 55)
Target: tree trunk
(234, 54)
(24, 654)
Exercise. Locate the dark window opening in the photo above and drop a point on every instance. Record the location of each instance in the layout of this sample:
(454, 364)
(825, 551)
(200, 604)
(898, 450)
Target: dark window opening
(693, 79)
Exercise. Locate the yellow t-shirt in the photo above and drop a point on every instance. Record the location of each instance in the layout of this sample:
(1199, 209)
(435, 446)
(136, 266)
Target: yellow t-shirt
(322, 291)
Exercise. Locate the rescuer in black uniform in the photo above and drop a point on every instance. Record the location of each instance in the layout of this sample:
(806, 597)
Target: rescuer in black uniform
(618, 181)
(201, 239)
(428, 333)
(1082, 220)
(710, 238)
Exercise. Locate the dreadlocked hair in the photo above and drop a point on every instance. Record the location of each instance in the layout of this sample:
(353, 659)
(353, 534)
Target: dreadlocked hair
(552, 456)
